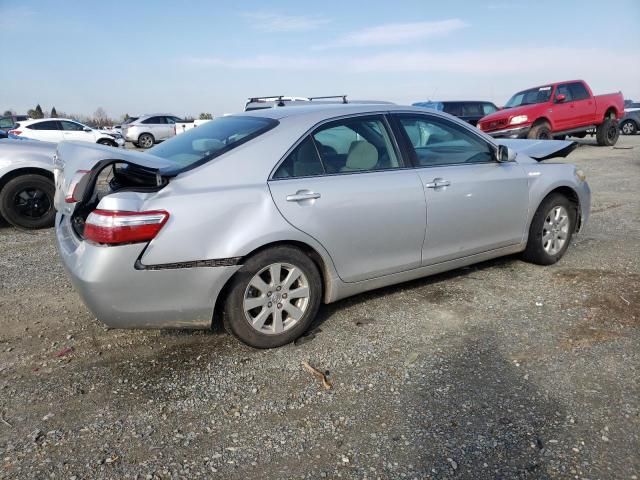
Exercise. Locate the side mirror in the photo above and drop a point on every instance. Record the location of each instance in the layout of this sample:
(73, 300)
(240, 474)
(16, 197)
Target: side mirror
(505, 154)
(560, 98)
(87, 129)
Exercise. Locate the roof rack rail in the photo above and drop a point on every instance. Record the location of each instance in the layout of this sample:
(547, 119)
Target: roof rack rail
(343, 97)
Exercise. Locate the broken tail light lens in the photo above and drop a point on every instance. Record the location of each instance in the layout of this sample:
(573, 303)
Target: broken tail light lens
(15, 132)
(119, 227)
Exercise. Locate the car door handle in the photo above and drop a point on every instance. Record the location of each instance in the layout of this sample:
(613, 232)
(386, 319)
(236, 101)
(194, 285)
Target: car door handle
(301, 195)
(437, 183)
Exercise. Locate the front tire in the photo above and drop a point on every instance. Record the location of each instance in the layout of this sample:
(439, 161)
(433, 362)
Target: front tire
(27, 202)
(607, 133)
(551, 229)
(108, 143)
(628, 127)
(542, 131)
(145, 141)
(273, 298)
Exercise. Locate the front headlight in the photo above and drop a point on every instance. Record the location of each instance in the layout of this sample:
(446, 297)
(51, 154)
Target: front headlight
(518, 119)
(580, 175)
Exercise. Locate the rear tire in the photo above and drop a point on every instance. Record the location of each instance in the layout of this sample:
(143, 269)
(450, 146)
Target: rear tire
(272, 322)
(145, 141)
(541, 131)
(628, 127)
(27, 202)
(551, 230)
(607, 133)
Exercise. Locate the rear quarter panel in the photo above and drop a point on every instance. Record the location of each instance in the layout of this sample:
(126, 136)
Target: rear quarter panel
(18, 154)
(606, 102)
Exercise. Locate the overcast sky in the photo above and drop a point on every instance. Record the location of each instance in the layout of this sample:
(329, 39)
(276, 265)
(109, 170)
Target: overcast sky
(188, 56)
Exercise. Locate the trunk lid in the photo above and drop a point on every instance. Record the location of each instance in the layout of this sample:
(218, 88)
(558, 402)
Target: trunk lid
(134, 169)
(539, 149)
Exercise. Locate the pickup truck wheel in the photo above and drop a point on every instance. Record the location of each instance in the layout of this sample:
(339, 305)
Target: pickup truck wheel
(550, 231)
(145, 140)
(273, 298)
(628, 127)
(27, 202)
(607, 133)
(541, 131)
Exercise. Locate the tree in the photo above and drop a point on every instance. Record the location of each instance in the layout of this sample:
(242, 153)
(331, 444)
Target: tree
(38, 112)
(206, 116)
(7, 113)
(54, 114)
(125, 117)
(100, 117)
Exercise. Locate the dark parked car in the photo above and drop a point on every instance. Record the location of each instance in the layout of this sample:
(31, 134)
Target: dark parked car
(630, 122)
(8, 122)
(469, 111)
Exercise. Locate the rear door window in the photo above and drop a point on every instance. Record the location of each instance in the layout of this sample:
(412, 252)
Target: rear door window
(154, 121)
(355, 145)
(578, 91)
(48, 125)
(304, 161)
(471, 109)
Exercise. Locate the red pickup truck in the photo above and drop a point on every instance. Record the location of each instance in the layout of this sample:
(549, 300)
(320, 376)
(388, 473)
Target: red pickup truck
(556, 110)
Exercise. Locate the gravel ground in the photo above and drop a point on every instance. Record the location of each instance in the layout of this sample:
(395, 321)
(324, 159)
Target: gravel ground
(501, 370)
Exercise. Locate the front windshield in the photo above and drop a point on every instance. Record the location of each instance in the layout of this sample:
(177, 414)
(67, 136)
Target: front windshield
(211, 139)
(529, 97)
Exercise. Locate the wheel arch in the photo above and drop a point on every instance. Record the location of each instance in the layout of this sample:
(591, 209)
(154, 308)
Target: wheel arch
(572, 196)
(147, 133)
(24, 171)
(311, 252)
(612, 112)
(541, 120)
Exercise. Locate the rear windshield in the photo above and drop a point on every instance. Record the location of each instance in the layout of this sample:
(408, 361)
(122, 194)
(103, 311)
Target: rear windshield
(213, 138)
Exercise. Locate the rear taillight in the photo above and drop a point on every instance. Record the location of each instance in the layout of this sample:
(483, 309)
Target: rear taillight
(116, 228)
(72, 193)
(15, 132)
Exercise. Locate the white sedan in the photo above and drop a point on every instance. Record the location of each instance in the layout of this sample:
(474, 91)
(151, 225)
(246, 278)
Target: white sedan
(58, 129)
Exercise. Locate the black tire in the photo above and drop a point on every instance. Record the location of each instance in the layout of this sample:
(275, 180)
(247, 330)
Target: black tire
(541, 131)
(608, 132)
(629, 127)
(535, 252)
(234, 319)
(108, 143)
(145, 141)
(27, 202)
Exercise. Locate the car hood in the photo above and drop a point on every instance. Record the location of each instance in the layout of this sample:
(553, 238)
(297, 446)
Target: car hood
(539, 150)
(510, 112)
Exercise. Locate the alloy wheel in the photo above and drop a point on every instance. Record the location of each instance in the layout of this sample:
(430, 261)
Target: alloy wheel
(555, 230)
(276, 298)
(32, 203)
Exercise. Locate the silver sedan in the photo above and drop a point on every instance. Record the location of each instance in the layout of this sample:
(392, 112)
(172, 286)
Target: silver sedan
(263, 216)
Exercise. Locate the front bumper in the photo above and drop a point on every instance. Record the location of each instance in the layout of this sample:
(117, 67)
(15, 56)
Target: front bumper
(120, 141)
(514, 132)
(122, 296)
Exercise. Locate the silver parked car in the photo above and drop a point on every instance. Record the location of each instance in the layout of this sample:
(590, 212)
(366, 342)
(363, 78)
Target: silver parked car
(147, 130)
(265, 215)
(26, 183)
